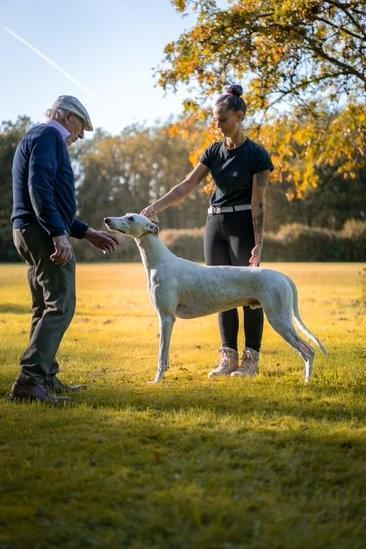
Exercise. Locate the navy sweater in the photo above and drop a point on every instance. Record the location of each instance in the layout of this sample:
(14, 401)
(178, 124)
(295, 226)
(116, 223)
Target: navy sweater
(43, 184)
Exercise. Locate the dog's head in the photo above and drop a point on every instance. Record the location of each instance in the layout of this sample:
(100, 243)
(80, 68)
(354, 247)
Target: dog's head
(132, 224)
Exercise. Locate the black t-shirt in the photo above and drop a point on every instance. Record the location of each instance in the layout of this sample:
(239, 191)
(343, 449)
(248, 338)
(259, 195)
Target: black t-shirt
(232, 171)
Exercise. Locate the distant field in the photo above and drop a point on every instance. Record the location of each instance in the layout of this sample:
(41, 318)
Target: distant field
(229, 463)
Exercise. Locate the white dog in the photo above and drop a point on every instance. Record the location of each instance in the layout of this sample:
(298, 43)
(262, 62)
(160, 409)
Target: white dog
(181, 288)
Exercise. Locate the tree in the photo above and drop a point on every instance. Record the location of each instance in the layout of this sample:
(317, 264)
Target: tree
(304, 147)
(123, 174)
(302, 143)
(10, 135)
(281, 49)
(331, 204)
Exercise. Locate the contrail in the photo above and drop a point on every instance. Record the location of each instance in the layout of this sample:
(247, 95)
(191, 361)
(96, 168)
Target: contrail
(64, 73)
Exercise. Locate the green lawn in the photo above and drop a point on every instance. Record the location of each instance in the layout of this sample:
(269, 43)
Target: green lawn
(268, 462)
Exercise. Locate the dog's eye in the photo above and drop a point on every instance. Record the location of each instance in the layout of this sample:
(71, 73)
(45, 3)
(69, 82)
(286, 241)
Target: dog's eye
(130, 218)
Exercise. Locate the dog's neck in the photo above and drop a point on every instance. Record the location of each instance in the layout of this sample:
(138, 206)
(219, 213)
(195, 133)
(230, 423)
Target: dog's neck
(152, 250)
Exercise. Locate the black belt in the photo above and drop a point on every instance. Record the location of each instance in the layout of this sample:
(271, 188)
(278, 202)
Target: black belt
(228, 209)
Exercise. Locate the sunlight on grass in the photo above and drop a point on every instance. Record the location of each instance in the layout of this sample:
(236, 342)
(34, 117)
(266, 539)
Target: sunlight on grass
(268, 462)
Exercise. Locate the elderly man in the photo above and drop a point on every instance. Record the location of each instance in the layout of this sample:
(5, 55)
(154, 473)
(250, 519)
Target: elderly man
(43, 220)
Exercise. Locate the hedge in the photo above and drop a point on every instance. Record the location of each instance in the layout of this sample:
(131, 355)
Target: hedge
(294, 242)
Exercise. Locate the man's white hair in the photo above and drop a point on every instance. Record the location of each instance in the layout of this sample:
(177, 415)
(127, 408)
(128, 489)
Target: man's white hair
(57, 114)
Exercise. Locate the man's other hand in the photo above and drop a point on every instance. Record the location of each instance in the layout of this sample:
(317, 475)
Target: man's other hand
(63, 250)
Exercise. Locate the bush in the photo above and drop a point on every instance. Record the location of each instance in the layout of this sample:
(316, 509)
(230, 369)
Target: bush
(294, 242)
(354, 233)
(187, 243)
(297, 242)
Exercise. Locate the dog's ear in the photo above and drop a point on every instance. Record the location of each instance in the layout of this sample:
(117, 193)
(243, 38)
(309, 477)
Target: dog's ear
(152, 228)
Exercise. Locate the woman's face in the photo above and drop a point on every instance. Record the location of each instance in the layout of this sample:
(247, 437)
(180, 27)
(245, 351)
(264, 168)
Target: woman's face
(227, 121)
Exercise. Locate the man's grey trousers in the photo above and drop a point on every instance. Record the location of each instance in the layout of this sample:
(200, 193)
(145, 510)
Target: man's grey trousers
(53, 302)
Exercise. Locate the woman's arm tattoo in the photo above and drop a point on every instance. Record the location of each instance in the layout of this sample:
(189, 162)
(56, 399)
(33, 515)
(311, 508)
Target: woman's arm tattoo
(258, 223)
(261, 178)
(258, 193)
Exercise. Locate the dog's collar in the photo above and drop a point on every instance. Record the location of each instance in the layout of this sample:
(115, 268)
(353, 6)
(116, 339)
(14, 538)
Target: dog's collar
(145, 233)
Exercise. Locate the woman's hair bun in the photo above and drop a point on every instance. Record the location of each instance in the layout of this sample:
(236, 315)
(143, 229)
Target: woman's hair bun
(235, 89)
(232, 99)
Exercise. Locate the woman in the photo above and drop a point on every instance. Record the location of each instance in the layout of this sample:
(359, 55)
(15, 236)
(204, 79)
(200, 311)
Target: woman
(234, 230)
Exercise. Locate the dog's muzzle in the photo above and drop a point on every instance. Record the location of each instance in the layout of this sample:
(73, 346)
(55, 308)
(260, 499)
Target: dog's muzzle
(108, 221)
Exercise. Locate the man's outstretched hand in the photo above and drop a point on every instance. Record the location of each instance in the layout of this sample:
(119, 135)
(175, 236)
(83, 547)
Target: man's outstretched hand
(102, 240)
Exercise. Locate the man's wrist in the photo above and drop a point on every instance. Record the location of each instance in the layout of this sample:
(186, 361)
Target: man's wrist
(89, 232)
(54, 234)
(59, 235)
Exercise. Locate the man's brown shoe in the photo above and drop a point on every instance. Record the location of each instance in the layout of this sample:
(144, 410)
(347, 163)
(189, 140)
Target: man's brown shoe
(25, 392)
(57, 387)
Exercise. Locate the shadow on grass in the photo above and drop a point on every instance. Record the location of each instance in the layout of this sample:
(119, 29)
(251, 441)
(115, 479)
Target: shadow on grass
(136, 478)
(330, 402)
(14, 309)
(302, 403)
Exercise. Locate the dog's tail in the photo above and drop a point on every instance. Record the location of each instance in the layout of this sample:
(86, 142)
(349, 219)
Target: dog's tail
(300, 323)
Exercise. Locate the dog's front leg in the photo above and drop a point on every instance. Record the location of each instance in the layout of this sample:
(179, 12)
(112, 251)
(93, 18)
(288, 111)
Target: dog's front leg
(166, 327)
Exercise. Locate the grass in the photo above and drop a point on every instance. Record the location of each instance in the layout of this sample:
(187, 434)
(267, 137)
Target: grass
(268, 462)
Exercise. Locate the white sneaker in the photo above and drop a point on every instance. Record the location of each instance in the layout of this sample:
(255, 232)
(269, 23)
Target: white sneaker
(249, 364)
(228, 363)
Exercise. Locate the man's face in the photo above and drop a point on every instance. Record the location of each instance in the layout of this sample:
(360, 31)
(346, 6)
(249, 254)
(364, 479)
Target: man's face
(75, 126)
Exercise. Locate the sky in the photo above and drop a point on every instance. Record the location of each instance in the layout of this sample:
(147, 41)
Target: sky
(101, 51)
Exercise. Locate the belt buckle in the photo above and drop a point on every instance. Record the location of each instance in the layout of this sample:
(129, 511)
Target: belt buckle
(216, 209)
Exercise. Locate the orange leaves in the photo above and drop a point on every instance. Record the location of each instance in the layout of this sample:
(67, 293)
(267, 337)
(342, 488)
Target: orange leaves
(169, 48)
(347, 134)
(180, 5)
(288, 48)
(301, 147)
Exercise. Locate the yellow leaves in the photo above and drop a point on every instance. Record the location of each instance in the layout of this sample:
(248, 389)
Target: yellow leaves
(292, 156)
(249, 5)
(292, 11)
(346, 140)
(271, 53)
(303, 135)
(180, 5)
(321, 32)
(282, 42)
(303, 148)
(186, 67)
(173, 130)
(196, 33)
(169, 48)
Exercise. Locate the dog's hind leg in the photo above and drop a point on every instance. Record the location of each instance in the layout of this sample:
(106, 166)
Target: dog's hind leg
(166, 327)
(285, 328)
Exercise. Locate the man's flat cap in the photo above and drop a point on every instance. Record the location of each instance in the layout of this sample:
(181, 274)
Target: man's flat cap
(69, 103)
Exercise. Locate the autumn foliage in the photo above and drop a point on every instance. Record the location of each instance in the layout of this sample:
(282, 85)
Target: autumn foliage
(301, 145)
(303, 67)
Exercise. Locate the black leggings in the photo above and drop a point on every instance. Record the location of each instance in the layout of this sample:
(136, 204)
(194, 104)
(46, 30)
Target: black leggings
(229, 240)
